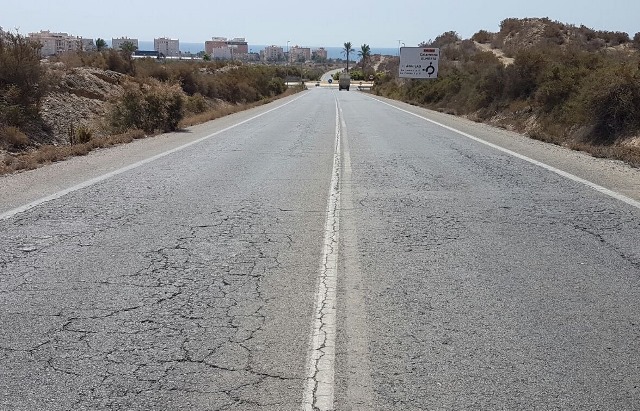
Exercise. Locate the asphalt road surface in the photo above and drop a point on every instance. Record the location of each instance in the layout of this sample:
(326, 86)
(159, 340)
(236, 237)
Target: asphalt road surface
(332, 250)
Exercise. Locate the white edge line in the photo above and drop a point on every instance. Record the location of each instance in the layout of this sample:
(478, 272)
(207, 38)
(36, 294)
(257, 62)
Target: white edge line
(8, 214)
(565, 174)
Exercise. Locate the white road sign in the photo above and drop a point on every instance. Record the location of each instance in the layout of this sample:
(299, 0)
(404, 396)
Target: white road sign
(419, 62)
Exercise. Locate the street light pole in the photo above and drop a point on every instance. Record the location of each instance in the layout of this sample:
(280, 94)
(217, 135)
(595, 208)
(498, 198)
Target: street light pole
(286, 64)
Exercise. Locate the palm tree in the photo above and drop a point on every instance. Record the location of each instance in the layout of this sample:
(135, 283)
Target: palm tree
(364, 53)
(347, 50)
(101, 44)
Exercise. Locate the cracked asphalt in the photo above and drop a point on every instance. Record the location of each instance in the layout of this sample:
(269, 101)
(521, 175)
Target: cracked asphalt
(462, 277)
(187, 283)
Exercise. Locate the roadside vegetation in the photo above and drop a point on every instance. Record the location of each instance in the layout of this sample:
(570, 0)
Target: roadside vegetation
(23, 84)
(567, 85)
(153, 96)
(559, 83)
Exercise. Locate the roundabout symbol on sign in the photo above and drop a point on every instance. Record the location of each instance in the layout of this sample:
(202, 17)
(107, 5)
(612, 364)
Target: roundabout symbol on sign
(430, 69)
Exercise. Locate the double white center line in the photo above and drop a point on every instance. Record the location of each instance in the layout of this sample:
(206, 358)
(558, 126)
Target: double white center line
(318, 393)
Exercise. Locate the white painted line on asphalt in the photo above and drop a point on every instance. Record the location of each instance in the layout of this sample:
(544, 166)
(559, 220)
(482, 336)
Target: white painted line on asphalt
(17, 210)
(318, 392)
(562, 173)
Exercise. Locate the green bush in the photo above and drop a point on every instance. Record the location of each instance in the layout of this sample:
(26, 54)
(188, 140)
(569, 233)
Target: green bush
(82, 134)
(276, 86)
(522, 78)
(614, 105)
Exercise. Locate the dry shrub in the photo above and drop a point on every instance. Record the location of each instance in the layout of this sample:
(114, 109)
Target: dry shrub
(196, 104)
(630, 155)
(225, 109)
(13, 138)
(483, 36)
(83, 134)
(48, 154)
(126, 137)
(150, 106)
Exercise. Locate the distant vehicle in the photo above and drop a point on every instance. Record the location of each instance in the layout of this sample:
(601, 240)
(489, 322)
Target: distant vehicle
(344, 82)
(317, 83)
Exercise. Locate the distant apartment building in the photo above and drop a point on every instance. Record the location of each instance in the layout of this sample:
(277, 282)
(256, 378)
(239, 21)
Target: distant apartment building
(299, 54)
(221, 53)
(239, 45)
(116, 44)
(272, 53)
(215, 43)
(58, 43)
(223, 48)
(167, 47)
(88, 45)
(319, 54)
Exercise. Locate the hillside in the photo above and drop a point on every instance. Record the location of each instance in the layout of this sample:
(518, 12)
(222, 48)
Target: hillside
(76, 102)
(80, 99)
(557, 82)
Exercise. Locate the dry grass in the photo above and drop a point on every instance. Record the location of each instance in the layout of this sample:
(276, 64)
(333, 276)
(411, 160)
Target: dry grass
(48, 154)
(12, 137)
(629, 155)
(225, 109)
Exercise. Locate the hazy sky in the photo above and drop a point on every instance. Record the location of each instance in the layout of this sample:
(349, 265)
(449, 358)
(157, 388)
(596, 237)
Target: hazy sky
(377, 23)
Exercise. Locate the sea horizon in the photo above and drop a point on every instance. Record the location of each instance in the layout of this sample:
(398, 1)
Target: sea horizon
(332, 52)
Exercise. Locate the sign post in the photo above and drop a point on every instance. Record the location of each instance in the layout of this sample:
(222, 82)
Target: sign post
(419, 62)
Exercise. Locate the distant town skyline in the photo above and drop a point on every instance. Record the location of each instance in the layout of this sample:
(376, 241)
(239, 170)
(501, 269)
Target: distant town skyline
(387, 24)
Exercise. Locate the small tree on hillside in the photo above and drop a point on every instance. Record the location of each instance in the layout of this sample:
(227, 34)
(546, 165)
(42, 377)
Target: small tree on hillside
(22, 79)
(127, 49)
(483, 37)
(636, 40)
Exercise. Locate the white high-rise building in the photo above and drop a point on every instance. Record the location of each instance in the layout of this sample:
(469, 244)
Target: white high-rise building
(57, 43)
(167, 47)
(273, 53)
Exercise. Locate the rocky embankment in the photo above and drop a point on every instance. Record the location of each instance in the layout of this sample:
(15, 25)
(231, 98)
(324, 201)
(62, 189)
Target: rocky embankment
(80, 99)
